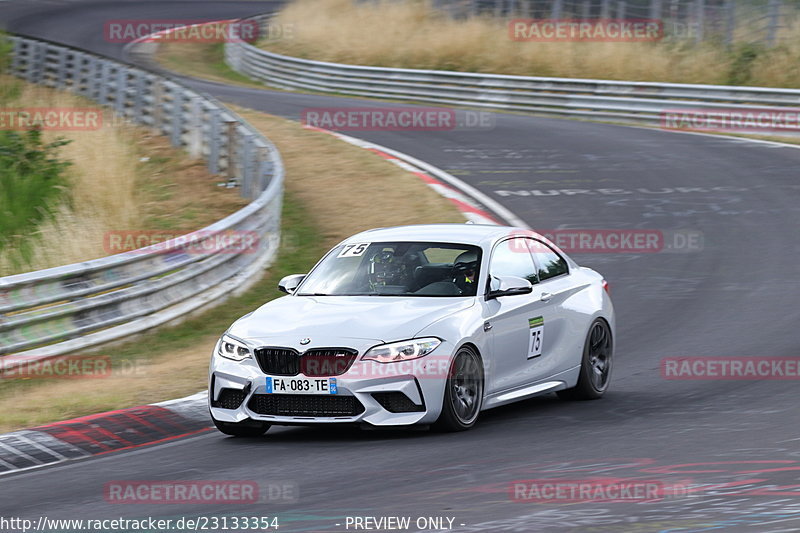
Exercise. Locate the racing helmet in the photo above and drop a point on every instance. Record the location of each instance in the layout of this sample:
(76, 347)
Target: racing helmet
(466, 262)
(385, 269)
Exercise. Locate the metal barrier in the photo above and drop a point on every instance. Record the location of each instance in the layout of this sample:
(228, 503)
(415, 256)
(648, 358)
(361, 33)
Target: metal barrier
(728, 21)
(618, 101)
(64, 309)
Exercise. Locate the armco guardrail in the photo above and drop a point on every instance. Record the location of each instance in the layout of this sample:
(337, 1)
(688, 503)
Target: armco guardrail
(64, 309)
(619, 101)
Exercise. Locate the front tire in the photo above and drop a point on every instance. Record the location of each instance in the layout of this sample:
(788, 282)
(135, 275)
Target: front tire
(245, 428)
(595, 372)
(463, 393)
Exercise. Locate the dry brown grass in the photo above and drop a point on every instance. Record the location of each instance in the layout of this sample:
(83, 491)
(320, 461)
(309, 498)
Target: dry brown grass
(342, 188)
(113, 189)
(781, 66)
(347, 189)
(412, 35)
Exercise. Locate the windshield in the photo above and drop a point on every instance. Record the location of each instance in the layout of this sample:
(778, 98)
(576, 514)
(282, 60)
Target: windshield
(396, 269)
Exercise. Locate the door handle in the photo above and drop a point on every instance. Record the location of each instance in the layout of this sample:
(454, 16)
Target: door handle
(545, 297)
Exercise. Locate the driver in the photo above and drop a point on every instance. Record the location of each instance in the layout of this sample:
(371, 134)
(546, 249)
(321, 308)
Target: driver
(464, 268)
(385, 269)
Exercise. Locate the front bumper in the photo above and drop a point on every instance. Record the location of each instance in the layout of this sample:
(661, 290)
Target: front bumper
(377, 394)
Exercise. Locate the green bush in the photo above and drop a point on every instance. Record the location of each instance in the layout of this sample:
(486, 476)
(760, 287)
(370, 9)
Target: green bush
(32, 185)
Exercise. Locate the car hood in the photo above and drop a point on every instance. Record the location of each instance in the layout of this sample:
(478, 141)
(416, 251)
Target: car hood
(327, 320)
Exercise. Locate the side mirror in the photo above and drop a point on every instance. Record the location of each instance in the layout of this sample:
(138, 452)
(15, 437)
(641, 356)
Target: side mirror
(289, 284)
(508, 286)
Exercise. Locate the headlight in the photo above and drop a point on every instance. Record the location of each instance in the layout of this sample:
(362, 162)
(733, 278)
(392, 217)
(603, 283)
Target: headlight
(232, 349)
(402, 351)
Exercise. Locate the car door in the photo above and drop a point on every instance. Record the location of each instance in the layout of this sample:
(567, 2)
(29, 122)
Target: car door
(562, 324)
(515, 322)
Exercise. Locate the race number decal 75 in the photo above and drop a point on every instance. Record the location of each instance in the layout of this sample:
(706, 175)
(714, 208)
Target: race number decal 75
(536, 326)
(353, 250)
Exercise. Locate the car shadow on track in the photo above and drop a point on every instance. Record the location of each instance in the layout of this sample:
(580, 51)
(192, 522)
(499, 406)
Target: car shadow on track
(546, 408)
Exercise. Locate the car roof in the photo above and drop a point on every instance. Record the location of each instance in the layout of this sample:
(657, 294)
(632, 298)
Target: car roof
(477, 234)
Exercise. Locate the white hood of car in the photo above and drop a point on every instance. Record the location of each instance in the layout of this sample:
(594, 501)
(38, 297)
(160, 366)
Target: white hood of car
(329, 320)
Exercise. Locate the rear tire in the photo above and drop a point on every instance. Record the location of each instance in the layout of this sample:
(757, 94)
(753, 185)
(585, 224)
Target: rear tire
(245, 428)
(463, 392)
(595, 372)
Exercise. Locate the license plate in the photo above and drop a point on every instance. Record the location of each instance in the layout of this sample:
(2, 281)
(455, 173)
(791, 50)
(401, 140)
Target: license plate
(301, 385)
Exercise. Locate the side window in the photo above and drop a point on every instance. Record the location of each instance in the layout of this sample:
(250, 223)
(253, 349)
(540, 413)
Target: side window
(549, 264)
(513, 258)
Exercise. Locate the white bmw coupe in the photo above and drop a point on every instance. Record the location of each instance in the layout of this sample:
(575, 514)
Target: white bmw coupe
(427, 325)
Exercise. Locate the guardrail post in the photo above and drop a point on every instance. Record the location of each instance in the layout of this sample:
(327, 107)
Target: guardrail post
(176, 128)
(655, 9)
(700, 15)
(138, 94)
(214, 139)
(122, 91)
(555, 12)
(233, 55)
(61, 71)
(730, 22)
(513, 9)
(586, 10)
(773, 16)
(230, 146)
(49, 74)
(195, 145)
(158, 105)
(41, 58)
(105, 79)
(35, 61)
(605, 9)
(248, 158)
(78, 60)
(264, 168)
(91, 78)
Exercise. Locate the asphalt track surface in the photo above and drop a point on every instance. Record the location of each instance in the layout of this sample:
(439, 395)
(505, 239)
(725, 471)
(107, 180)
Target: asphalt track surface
(738, 296)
